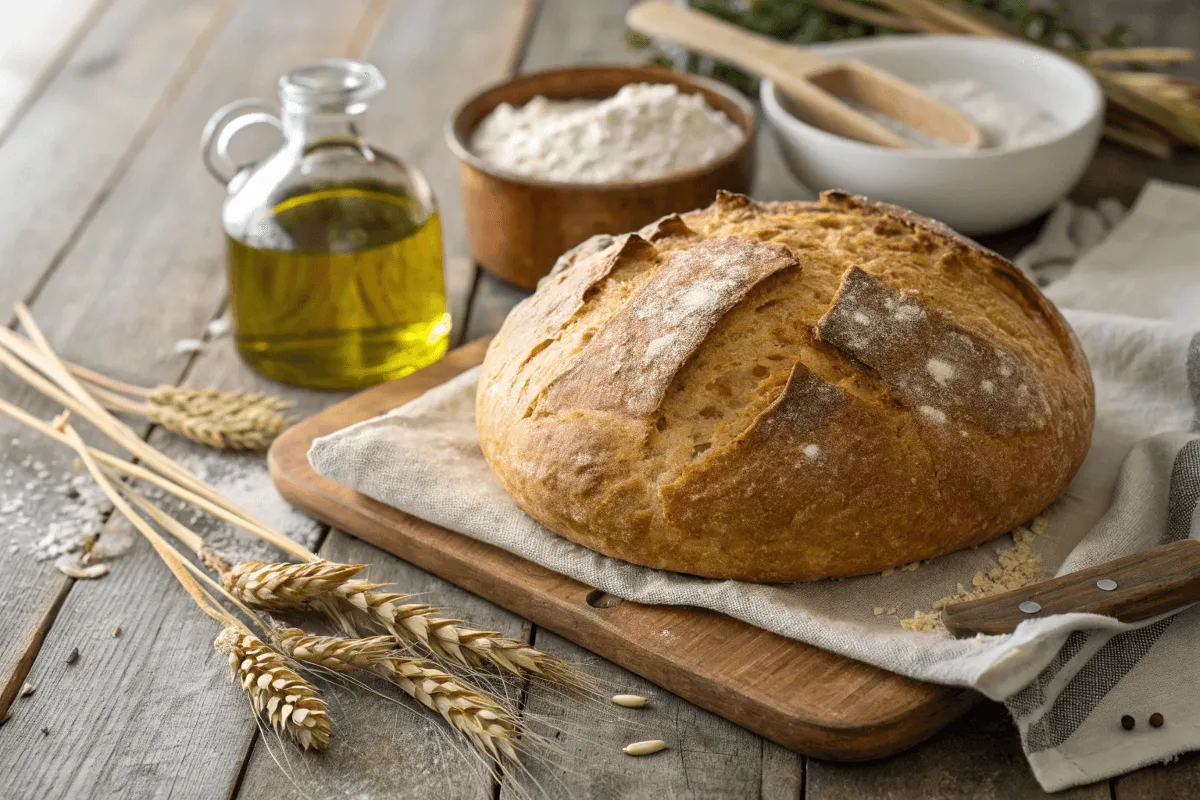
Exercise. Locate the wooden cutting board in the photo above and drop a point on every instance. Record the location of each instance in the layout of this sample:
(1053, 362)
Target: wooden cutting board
(806, 699)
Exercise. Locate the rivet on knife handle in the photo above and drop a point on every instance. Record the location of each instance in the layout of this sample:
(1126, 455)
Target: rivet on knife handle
(1132, 588)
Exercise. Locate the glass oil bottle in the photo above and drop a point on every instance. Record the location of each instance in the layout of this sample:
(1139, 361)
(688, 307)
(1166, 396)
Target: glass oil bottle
(334, 246)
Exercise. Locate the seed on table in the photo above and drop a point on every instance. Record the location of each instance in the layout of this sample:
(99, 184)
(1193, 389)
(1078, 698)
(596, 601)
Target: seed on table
(1127, 722)
(27, 690)
(45, 731)
(644, 748)
(73, 656)
(117, 632)
(1156, 720)
(629, 700)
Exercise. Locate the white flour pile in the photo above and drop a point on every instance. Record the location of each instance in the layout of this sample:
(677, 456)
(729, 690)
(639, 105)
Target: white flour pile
(642, 132)
(1003, 120)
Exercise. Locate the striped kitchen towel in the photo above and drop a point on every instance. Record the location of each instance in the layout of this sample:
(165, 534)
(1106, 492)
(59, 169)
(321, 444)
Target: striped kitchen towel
(1134, 300)
(1067, 679)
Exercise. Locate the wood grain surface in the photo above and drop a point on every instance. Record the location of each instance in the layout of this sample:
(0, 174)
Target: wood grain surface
(104, 82)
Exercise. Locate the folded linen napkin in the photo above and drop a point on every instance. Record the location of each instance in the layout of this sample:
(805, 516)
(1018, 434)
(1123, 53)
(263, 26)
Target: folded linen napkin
(1068, 679)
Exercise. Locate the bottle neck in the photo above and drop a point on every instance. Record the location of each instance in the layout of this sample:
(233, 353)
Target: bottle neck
(303, 128)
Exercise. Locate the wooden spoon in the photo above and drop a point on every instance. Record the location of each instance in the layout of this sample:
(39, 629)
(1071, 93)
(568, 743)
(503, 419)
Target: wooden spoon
(816, 85)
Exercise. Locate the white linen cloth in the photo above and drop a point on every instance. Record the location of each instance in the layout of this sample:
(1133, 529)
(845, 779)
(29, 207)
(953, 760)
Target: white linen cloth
(1134, 301)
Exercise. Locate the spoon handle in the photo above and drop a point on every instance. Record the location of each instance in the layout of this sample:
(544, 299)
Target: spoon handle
(789, 67)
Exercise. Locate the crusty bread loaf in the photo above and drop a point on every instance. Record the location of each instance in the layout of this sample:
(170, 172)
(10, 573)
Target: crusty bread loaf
(784, 392)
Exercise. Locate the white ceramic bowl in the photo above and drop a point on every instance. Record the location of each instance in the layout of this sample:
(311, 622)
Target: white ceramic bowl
(974, 192)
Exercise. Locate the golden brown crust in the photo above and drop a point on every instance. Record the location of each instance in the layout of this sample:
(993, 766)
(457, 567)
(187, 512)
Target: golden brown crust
(785, 391)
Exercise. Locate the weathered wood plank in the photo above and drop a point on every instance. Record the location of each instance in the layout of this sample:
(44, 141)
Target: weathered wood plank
(1180, 778)
(384, 748)
(978, 756)
(149, 251)
(434, 54)
(34, 41)
(62, 156)
(706, 756)
(78, 137)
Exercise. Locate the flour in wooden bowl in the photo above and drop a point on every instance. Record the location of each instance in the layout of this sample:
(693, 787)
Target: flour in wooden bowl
(644, 131)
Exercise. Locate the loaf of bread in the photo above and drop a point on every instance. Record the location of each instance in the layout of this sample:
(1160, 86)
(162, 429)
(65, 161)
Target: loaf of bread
(784, 392)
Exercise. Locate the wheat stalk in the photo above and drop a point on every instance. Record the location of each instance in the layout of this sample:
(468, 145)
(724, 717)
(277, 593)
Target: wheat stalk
(486, 723)
(333, 652)
(289, 702)
(214, 402)
(281, 586)
(445, 638)
(223, 420)
(249, 431)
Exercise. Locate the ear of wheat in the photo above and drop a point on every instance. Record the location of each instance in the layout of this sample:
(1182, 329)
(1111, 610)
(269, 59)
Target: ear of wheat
(225, 420)
(332, 652)
(289, 702)
(487, 724)
(249, 431)
(484, 722)
(444, 638)
(281, 586)
(215, 402)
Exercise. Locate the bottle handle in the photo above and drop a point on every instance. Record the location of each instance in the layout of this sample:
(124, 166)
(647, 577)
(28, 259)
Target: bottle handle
(223, 125)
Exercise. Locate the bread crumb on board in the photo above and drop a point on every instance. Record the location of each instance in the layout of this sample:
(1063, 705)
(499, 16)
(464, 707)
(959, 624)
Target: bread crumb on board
(1017, 566)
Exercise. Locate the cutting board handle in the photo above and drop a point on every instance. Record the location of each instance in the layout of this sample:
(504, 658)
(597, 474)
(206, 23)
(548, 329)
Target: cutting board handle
(1132, 588)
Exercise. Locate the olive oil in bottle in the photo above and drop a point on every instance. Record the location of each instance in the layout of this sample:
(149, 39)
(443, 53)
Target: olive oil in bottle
(334, 246)
(340, 288)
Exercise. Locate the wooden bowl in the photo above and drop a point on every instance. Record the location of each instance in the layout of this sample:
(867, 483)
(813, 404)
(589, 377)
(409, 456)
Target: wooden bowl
(517, 227)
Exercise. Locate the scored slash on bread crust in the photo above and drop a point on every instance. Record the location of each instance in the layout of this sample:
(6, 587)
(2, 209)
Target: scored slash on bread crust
(784, 391)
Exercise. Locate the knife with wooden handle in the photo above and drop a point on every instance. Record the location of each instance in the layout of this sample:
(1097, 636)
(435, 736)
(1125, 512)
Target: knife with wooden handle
(1132, 588)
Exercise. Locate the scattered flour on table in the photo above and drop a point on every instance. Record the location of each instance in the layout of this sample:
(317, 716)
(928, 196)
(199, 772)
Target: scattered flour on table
(642, 132)
(244, 479)
(47, 513)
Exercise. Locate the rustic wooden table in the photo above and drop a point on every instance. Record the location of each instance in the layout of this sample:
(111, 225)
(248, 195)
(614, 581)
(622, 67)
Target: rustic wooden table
(109, 229)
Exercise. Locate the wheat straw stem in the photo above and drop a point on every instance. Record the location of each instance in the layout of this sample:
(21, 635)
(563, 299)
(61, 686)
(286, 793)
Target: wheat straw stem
(90, 409)
(189, 538)
(874, 16)
(29, 351)
(290, 702)
(1143, 55)
(98, 379)
(117, 402)
(169, 555)
(141, 473)
(222, 420)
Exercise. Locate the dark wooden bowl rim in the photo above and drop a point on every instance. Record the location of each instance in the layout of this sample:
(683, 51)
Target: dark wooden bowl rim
(456, 137)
